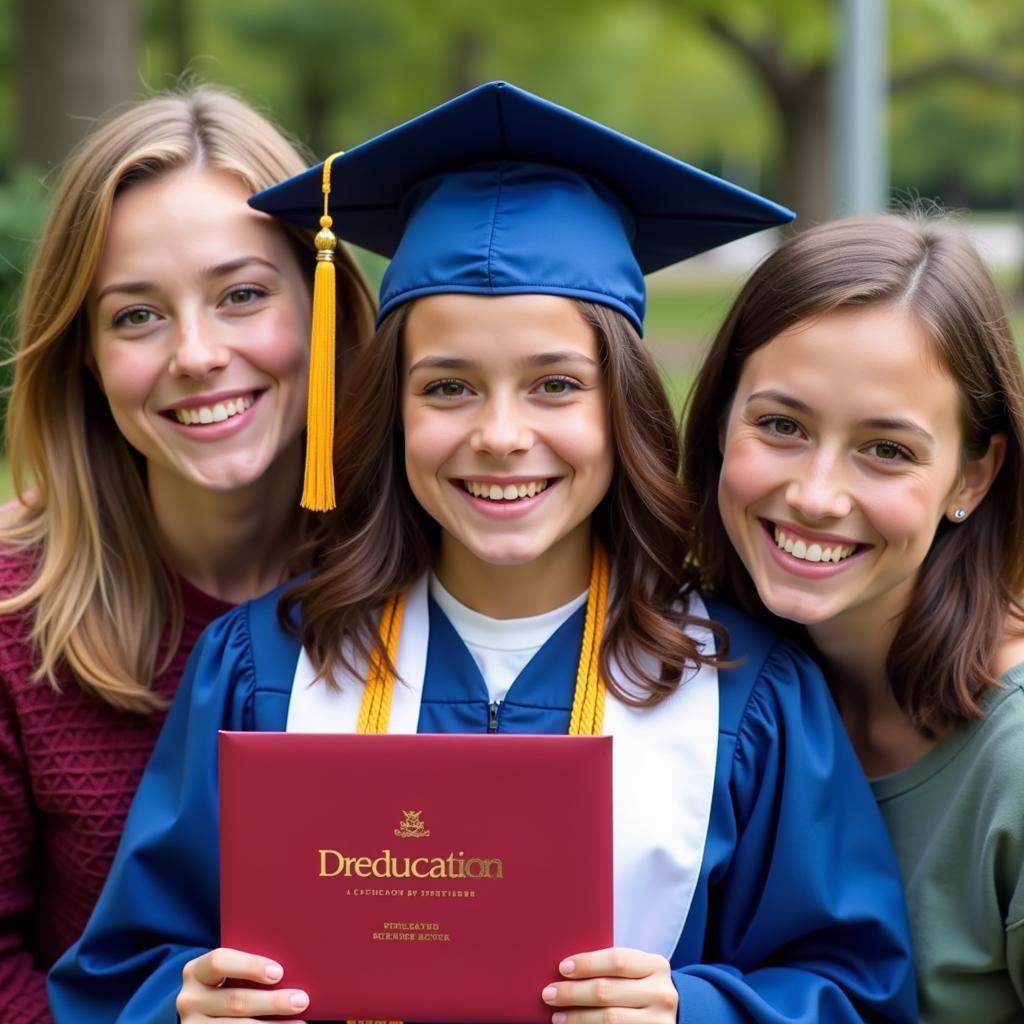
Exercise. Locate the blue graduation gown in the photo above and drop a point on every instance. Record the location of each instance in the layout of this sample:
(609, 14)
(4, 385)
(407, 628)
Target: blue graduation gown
(798, 914)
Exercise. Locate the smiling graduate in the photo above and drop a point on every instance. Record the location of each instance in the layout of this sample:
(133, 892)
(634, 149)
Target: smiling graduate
(511, 541)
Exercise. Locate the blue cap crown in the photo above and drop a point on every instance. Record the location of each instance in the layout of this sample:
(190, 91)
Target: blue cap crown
(501, 192)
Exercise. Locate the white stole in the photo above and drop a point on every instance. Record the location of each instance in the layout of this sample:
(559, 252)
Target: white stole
(663, 770)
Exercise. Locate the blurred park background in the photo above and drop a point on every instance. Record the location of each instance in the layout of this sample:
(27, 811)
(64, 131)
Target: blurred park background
(829, 106)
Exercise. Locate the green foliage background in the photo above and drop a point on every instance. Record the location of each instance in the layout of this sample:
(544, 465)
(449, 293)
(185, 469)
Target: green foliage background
(337, 71)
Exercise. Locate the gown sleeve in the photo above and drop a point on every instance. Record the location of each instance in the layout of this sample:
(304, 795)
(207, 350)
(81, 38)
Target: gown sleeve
(804, 911)
(160, 905)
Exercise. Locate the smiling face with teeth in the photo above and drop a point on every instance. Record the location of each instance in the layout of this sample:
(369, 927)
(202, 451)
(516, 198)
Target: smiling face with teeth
(842, 454)
(507, 441)
(199, 322)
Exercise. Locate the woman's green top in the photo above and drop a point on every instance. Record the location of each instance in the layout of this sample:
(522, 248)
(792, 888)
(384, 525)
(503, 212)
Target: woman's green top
(957, 824)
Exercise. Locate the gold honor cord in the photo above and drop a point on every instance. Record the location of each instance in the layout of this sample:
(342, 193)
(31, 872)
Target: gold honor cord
(587, 718)
(375, 709)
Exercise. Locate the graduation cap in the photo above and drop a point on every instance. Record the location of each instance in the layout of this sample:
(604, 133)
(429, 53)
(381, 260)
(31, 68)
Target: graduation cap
(500, 192)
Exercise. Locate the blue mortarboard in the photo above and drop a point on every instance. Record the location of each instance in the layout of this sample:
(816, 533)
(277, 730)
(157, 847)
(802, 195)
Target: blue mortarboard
(501, 192)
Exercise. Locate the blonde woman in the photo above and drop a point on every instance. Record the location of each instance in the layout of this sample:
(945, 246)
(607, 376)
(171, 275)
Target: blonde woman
(155, 434)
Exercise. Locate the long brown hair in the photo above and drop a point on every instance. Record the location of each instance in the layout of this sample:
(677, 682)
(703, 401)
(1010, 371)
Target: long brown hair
(381, 540)
(101, 596)
(942, 656)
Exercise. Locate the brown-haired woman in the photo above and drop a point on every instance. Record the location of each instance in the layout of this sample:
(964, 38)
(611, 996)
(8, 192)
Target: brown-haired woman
(855, 442)
(509, 493)
(154, 433)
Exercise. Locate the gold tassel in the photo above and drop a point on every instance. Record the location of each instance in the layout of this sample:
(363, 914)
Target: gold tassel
(318, 484)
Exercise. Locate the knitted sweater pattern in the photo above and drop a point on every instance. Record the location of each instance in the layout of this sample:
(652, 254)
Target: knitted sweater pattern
(69, 766)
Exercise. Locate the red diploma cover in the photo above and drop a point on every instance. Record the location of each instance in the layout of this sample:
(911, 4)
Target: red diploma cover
(417, 878)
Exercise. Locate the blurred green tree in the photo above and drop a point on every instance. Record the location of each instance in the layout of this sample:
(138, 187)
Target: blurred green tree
(958, 118)
(72, 63)
(738, 86)
(791, 46)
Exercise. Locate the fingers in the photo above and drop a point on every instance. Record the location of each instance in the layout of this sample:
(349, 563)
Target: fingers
(604, 1015)
(613, 963)
(215, 967)
(614, 986)
(598, 992)
(208, 993)
(246, 1003)
(198, 1006)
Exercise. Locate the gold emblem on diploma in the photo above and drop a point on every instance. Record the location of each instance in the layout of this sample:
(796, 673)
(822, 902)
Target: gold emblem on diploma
(412, 826)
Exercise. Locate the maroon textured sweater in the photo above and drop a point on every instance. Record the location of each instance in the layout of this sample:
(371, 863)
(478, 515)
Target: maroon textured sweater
(69, 766)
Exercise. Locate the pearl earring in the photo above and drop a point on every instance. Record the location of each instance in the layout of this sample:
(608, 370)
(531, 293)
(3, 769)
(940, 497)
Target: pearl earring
(959, 514)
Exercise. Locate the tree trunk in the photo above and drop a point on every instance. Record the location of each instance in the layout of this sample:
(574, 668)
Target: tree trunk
(75, 61)
(467, 53)
(801, 97)
(316, 106)
(179, 25)
(807, 149)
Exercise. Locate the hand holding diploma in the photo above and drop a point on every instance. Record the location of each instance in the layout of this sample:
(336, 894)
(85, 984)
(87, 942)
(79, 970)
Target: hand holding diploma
(206, 993)
(614, 986)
